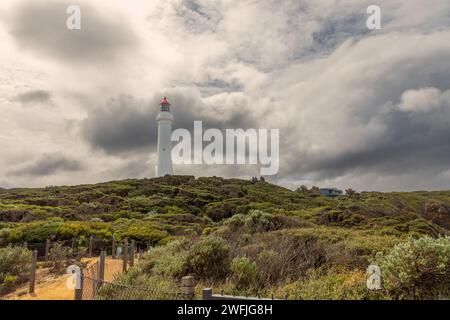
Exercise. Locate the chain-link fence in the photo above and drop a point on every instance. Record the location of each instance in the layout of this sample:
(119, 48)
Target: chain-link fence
(93, 288)
(93, 284)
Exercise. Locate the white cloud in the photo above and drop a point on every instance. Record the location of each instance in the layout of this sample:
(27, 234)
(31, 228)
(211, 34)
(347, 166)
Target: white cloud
(422, 100)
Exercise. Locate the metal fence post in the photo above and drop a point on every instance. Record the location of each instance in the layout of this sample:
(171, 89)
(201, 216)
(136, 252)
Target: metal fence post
(47, 249)
(207, 293)
(125, 255)
(188, 287)
(33, 271)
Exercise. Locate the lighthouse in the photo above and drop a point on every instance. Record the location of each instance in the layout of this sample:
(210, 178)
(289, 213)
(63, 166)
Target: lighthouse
(165, 119)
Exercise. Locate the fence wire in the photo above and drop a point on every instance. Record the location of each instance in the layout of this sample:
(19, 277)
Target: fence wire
(95, 289)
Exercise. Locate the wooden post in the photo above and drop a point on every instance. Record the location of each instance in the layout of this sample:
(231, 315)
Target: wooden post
(101, 268)
(78, 249)
(91, 245)
(188, 287)
(47, 249)
(113, 251)
(125, 255)
(79, 291)
(25, 245)
(207, 294)
(132, 252)
(101, 274)
(33, 271)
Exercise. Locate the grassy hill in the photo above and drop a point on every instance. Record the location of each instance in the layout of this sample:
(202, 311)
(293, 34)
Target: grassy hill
(183, 205)
(249, 237)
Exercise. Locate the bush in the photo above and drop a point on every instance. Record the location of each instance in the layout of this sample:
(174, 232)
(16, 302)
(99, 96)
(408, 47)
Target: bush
(209, 258)
(417, 269)
(270, 266)
(259, 221)
(169, 260)
(244, 272)
(342, 285)
(14, 266)
(60, 257)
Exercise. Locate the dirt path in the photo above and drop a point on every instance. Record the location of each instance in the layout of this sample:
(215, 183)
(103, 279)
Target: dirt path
(54, 287)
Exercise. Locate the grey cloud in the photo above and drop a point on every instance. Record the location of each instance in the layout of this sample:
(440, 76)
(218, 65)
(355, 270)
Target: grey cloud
(38, 96)
(48, 164)
(333, 32)
(5, 184)
(40, 26)
(409, 144)
(198, 17)
(126, 125)
(365, 126)
(122, 125)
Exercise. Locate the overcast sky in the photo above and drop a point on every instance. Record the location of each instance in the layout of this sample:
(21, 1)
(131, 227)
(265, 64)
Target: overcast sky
(355, 108)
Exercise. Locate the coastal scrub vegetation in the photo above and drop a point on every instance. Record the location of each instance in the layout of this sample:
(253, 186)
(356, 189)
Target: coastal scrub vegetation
(250, 238)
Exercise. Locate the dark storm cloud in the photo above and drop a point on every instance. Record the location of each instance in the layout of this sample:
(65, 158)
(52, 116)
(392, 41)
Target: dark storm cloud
(410, 143)
(48, 164)
(39, 96)
(126, 125)
(123, 124)
(41, 26)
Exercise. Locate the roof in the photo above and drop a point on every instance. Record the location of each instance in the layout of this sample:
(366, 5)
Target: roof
(164, 102)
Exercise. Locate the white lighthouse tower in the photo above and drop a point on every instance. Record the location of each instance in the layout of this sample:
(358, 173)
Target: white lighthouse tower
(165, 120)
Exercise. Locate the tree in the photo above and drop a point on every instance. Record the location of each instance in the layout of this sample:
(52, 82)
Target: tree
(302, 189)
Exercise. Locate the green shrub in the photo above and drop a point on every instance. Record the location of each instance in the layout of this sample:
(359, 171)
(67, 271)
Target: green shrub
(270, 265)
(258, 221)
(169, 260)
(60, 256)
(341, 285)
(417, 269)
(207, 231)
(244, 272)
(209, 258)
(14, 266)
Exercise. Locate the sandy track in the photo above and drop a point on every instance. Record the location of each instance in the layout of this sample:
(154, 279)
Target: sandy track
(54, 287)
